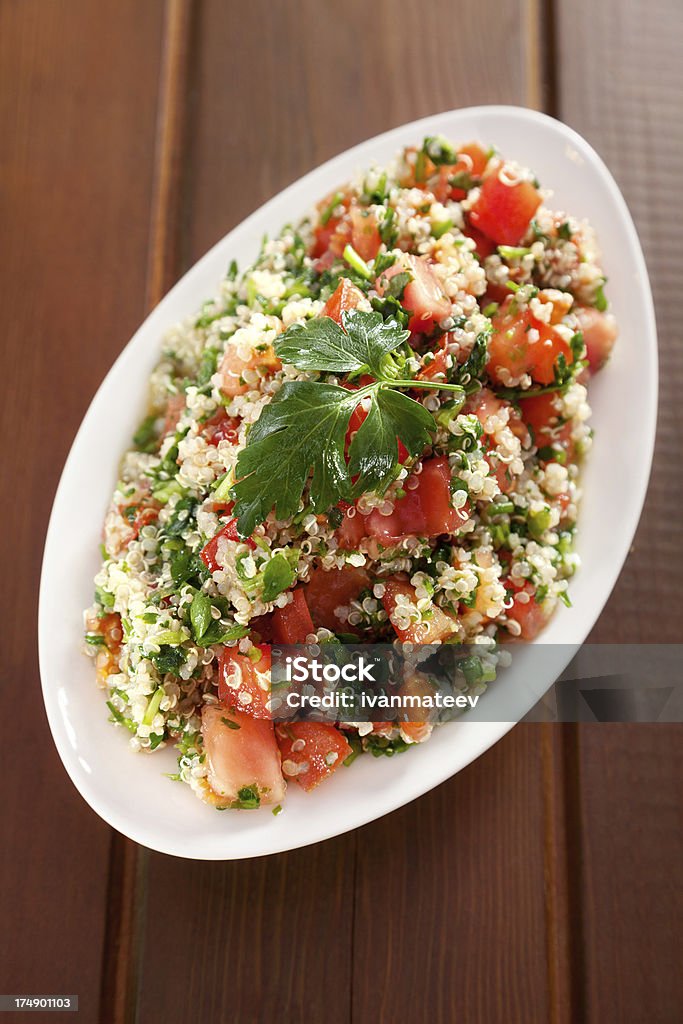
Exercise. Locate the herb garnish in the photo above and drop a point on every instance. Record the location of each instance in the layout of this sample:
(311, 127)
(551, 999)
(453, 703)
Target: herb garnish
(304, 427)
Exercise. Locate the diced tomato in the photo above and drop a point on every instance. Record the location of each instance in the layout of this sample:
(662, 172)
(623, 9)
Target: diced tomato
(440, 186)
(109, 627)
(485, 404)
(483, 246)
(478, 158)
(311, 751)
(324, 232)
(324, 262)
(527, 611)
(223, 508)
(495, 293)
(323, 236)
(293, 623)
(439, 365)
(241, 752)
(562, 303)
(599, 333)
(415, 729)
(221, 427)
(330, 589)
(174, 406)
(472, 161)
(135, 517)
(245, 684)
(416, 732)
(341, 236)
(346, 296)
(432, 630)
(423, 295)
(504, 210)
(426, 511)
(365, 237)
(352, 530)
(233, 366)
(145, 517)
(408, 179)
(209, 551)
(262, 627)
(520, 343)
(540, 414)
(383, 728)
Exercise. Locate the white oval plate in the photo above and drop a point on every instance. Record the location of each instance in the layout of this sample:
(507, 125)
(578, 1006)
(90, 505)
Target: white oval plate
(130, 791)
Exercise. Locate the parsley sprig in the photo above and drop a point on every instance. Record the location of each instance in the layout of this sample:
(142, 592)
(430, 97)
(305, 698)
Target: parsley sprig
(302, 432)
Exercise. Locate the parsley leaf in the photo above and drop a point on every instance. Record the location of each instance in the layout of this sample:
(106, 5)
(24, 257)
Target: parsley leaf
(200, 615)
(168, 659)
(302, 431)
(374, 449)
(303, 427)
(321, 344)
(277, 576)
(439, 150)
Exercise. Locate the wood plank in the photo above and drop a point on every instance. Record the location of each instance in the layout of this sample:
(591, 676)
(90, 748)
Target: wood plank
(306, 100)
(302, 84)
(258, 940)
(450, 918)
(635, 127)
(630, 878)
(78, 95)
(625, 98)
(129, 862)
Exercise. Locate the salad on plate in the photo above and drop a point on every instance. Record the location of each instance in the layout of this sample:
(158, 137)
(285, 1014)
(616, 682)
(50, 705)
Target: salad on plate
(371, 435)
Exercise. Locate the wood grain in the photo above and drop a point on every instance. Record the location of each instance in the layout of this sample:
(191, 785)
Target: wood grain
(449, 921)
(620, 83)
(128, 862)
(472, 896)
(626, 101)
(78, 94)
(303, 82)
(542, 883)
(259, 940)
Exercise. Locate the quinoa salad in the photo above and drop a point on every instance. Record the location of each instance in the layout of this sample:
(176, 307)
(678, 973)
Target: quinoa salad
(371, 435)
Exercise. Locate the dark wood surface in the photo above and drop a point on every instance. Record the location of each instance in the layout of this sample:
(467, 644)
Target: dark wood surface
(543, 882)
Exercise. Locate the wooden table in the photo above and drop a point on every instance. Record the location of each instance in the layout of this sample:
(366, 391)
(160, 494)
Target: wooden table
(542, 883)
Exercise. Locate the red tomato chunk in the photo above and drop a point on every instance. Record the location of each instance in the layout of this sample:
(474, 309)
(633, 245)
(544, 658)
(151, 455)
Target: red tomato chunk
(311, 751)
(423, 295)
(527, 612)
(244, 683)
(241, 752)
(425, 511)
(209, 552)
(504, 208)
(433, 629)
(521, 344)
(365, 237)
(599, 334)
(346, 296)
(328, 590)
(293, 623)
